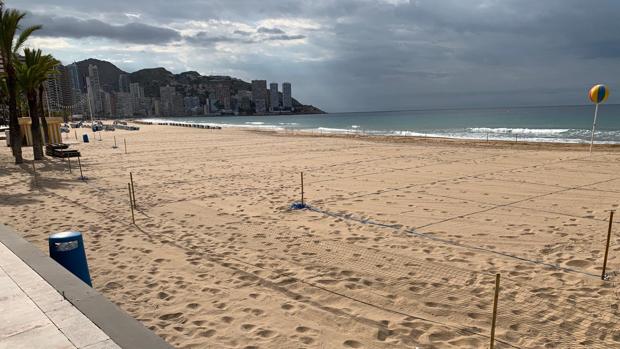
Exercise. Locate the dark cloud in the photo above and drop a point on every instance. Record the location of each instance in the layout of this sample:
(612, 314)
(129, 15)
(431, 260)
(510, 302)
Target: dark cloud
(72, 27)
(270, 30)
(242, 32)
(376, 53)
(284, 37)
(206, 38)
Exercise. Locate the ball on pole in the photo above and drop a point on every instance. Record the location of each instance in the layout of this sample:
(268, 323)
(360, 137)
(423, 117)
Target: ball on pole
(598, 93)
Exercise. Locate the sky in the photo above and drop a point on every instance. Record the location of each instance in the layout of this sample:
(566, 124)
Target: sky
(358, 55)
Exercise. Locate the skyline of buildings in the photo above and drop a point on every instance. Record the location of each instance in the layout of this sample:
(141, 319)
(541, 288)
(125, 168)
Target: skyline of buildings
(70, 92)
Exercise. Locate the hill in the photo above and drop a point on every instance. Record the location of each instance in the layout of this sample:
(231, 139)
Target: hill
(189, 83)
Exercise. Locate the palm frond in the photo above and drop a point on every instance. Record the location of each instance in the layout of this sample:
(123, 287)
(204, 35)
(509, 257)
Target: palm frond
(24, 35)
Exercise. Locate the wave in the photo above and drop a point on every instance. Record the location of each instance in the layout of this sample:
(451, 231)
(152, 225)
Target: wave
(504, 130)
(554, 135)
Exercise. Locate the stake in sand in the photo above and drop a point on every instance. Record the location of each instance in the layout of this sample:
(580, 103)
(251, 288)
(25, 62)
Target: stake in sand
(598, 94)
(302, 189)
(492, 345)
(611, 220)
(133, 218)
(133, 193)
(125, 141)
(114, 147)
(80, 165)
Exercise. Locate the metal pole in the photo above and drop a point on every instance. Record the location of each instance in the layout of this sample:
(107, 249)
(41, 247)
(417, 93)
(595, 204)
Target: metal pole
(133, 218)
(593, 127)
(611, 219)
(302, 188)
(80, 164)
(133, 193)
(494, 311)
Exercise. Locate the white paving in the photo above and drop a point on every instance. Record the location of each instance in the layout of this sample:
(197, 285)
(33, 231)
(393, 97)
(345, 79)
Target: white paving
(34, 315)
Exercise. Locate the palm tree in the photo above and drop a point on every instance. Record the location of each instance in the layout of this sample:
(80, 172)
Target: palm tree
(30, 77)
(9, 25)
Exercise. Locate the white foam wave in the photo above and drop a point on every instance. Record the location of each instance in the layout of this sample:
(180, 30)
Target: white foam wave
(504, 130)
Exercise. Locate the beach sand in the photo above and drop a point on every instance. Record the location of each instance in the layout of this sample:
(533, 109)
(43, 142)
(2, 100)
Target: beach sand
(399, 249)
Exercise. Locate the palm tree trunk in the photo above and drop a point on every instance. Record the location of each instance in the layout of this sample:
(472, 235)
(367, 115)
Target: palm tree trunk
(42, 115)
(35, 126)
(14, 130)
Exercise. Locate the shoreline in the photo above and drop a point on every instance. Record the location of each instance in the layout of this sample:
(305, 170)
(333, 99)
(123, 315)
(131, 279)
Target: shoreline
(493, 143)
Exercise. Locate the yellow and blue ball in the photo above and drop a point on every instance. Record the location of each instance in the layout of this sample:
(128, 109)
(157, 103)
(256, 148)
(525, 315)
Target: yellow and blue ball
(599, 93)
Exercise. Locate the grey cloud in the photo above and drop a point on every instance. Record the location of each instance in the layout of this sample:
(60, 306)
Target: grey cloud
(284, 37)
(371, 52)
(270, 30)
(72, 27)
(204, 38)
(242, 32)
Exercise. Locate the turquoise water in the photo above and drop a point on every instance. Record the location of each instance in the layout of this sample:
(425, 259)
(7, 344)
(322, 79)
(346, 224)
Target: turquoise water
(571, 124)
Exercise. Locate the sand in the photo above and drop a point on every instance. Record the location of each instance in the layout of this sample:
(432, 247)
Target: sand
(399, 249)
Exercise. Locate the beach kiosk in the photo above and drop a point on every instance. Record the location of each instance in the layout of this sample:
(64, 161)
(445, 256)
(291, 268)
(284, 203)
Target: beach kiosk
(53, 130)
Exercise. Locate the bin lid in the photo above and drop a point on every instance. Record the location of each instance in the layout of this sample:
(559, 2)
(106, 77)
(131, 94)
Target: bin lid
(65, 235)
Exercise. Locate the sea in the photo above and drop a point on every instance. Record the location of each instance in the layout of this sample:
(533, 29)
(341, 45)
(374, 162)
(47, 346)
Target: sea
(564, 124)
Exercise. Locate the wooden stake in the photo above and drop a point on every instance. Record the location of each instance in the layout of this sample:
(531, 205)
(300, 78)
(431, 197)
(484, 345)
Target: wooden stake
(302, 188)
(75, 134)
(100, 136)
(34, 173)
(611, 219)
(114, 143)
(125, 141)
(80, 165)
(133, 193)
(69, 164)
(133, 218)
(494, 311)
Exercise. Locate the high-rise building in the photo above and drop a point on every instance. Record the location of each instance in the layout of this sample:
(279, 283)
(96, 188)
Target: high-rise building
(222, 94)
(95, 93)
(53, 91)
(74, 76)
(167, 94)
(274, 97)
(136, 90)
(123, 83)
(177, 105)
(124, 104)
(259, 95)
(287, 98)
(78, 101)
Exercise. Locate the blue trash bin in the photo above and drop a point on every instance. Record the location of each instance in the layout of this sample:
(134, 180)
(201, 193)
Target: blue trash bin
(67, 248)
(85, 138)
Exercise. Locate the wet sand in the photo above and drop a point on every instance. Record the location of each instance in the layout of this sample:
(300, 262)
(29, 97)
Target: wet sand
(399, 248)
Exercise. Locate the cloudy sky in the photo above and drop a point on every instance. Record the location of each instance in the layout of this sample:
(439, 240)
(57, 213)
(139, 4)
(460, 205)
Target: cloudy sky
(356, 55)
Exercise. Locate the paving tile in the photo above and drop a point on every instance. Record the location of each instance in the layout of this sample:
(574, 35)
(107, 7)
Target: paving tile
(77, 327)
(47, 337)
(20, 314)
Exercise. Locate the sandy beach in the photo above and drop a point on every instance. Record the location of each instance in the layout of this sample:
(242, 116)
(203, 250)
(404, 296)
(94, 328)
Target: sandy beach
(399, 247)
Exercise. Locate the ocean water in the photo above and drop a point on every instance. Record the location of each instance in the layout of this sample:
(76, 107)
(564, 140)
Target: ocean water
(569, 124)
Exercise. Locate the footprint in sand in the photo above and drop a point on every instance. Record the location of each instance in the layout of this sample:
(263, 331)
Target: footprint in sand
(352, 344)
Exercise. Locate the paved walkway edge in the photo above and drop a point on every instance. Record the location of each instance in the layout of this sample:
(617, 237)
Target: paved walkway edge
(126, 331)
